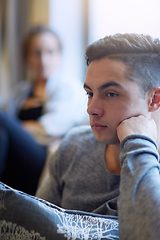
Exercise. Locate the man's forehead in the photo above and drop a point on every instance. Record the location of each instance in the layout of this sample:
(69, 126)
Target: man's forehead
(104, 71)
(106, 66)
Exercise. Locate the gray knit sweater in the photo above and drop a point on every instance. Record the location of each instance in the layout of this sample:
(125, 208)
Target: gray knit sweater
(79, 180)
(139, 200)
(78, 177)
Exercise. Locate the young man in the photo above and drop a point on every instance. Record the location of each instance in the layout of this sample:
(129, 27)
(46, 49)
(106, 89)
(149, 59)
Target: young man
(123, 87)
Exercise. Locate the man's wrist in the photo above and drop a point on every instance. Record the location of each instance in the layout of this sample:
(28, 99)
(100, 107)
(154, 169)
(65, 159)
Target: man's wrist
(137, 136)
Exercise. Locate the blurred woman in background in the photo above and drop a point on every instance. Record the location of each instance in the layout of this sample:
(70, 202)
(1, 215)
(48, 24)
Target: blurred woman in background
(43, 108)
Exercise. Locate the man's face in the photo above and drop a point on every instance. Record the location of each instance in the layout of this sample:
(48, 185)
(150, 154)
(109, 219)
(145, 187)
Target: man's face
(111, 98)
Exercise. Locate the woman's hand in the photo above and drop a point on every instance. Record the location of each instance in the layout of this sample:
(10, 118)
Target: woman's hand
(31, 125)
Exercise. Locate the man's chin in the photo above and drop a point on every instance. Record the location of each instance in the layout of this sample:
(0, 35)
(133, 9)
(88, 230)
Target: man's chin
(108, 141)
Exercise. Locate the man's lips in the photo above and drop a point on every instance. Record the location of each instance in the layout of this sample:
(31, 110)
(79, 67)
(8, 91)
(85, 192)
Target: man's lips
(98, 127)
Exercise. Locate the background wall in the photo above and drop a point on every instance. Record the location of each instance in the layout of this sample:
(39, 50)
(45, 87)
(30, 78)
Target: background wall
(70, 20)
(38, 11)
(15, 17)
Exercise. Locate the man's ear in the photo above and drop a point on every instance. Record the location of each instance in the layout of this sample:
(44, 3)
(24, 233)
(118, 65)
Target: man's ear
(154, 99)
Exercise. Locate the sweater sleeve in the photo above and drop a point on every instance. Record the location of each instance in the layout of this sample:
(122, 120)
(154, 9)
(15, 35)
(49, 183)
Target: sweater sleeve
(139, 200)
(50, 189)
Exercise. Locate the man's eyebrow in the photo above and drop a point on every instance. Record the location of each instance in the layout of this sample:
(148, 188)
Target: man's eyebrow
(86, 86)
(106, 85)
(109, 84)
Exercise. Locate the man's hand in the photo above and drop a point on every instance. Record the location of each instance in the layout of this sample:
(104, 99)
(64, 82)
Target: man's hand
(137, 125)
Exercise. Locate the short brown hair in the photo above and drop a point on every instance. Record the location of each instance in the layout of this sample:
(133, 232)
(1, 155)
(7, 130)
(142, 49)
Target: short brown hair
(140, 53)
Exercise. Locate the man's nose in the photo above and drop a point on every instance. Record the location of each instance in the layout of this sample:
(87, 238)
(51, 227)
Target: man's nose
(95, 107)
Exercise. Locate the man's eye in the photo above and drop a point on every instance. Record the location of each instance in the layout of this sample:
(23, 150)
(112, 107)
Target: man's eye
(111, 94)
(90, 94)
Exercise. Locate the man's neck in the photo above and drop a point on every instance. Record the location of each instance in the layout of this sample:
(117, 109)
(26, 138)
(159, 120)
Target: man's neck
(112, 158)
